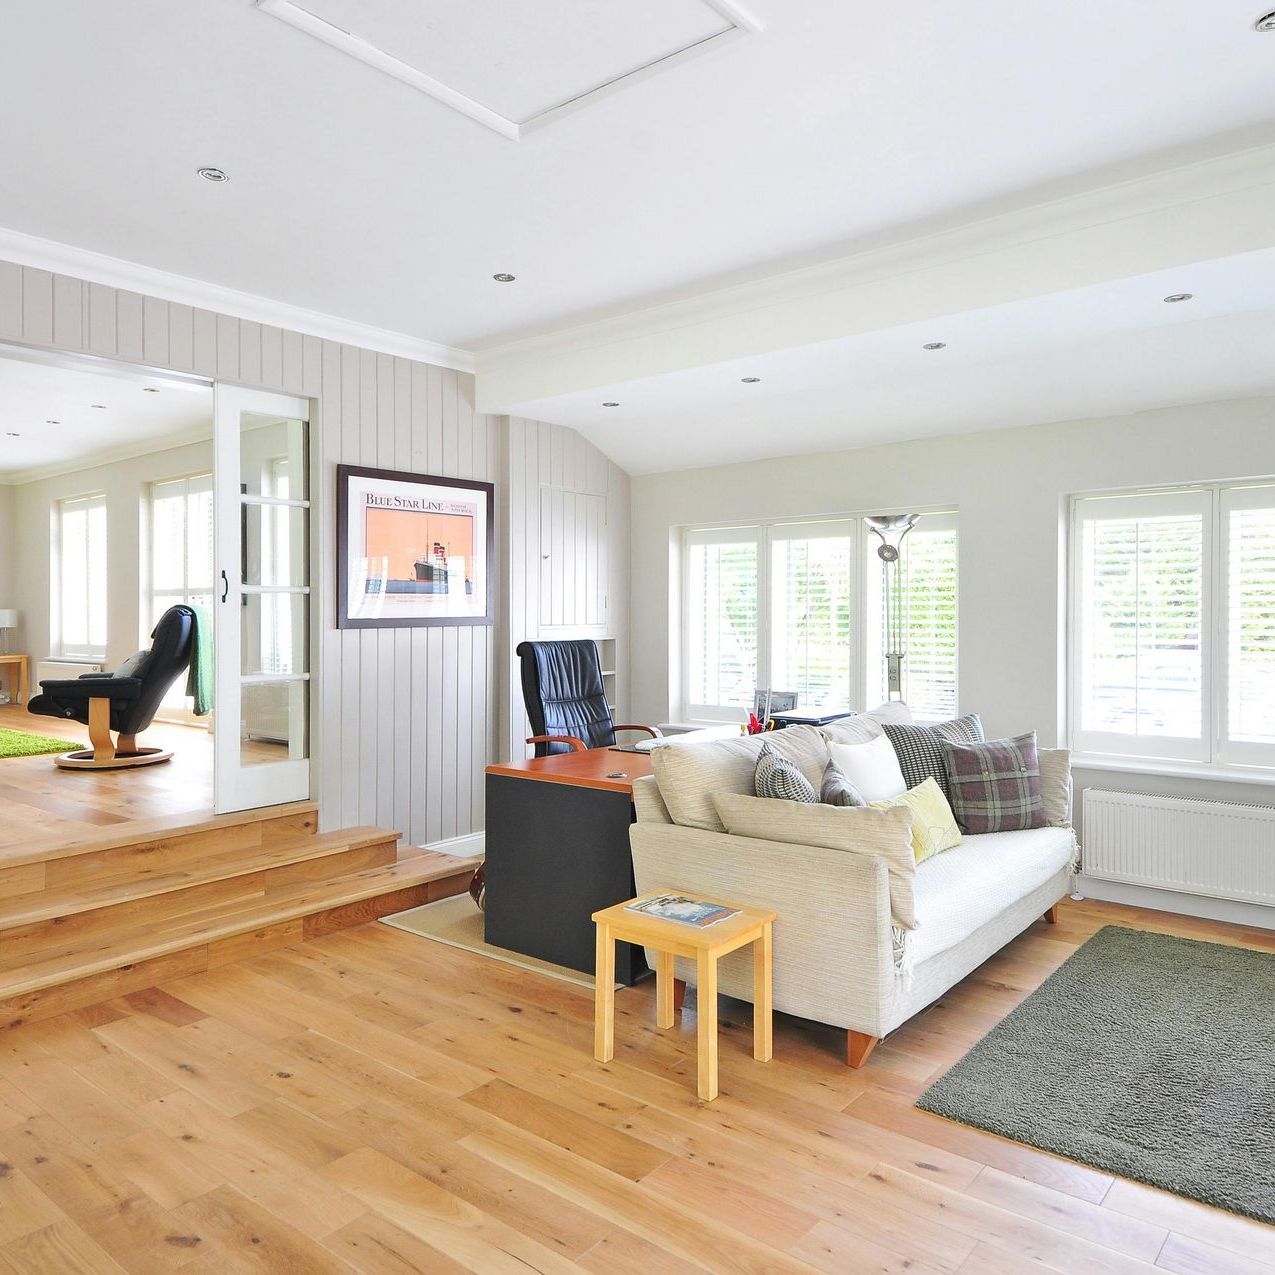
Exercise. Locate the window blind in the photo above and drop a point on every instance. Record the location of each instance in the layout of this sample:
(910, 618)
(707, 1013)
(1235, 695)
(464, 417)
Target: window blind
(928, 581)
(722, 612)
(1250, 617)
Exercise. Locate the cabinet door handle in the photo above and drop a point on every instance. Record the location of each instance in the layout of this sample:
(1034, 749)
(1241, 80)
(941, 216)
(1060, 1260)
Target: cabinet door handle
(225, 586)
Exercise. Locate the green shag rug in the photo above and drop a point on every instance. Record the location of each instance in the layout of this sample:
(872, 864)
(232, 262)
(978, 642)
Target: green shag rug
(25, 743)
(1144, 1055)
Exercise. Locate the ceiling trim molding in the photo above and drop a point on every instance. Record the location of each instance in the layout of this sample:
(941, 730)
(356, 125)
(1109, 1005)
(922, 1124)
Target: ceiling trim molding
(131, 276)
(108, 456)
(1218, 206)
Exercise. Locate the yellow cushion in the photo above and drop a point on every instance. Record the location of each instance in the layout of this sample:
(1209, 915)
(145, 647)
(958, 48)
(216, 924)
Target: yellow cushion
(933, 823)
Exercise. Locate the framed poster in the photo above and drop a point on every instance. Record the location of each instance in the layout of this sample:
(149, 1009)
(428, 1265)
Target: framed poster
(412, 549)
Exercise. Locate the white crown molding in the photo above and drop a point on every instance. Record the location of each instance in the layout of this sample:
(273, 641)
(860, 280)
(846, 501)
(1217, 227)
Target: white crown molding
(1194, 212)
(109, 456)
(131, 276)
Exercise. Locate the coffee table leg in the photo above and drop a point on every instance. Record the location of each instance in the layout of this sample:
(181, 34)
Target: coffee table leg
(763, 1042)
(604, 1000)
(706, 1011)
(664, 989)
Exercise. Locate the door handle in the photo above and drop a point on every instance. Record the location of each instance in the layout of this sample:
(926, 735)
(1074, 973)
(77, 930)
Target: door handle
(225, 587)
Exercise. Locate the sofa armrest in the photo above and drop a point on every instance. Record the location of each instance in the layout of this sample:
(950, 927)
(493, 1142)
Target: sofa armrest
(1055, 785)
(833, 954)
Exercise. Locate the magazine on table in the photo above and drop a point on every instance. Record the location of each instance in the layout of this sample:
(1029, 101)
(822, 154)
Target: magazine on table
(677, 907)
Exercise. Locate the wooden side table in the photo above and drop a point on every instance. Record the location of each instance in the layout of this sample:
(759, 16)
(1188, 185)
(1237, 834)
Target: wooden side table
(21, 665)
(705, 947)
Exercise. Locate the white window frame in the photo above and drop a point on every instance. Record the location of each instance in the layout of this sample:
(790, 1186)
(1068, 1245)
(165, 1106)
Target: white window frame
(88, 650)
(1213, 751)
(765, 533)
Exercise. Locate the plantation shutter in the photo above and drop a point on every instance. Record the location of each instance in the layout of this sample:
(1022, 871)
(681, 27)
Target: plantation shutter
(928, 582)
(811, 584)
(1248, 531)
(722, 604)
(82, 575)
(1141, 637)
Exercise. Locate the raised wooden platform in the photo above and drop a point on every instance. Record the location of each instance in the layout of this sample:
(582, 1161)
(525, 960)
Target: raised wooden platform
(90, 917)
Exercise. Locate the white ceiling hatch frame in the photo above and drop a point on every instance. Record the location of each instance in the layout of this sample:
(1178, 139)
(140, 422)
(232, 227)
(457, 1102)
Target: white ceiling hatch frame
(737, 21)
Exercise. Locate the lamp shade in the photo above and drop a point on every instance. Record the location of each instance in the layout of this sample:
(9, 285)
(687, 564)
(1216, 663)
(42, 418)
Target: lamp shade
(8, 619)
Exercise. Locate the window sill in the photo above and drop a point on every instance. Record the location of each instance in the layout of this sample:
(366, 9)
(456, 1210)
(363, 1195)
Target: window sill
(1256, 775)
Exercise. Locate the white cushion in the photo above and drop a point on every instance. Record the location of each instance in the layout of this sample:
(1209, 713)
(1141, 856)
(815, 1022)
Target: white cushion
(689, 774)
(960, 890)
(872, 767)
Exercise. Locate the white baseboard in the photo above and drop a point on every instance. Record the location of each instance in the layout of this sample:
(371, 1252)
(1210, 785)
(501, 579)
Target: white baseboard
(1143, 896)
(472, 843)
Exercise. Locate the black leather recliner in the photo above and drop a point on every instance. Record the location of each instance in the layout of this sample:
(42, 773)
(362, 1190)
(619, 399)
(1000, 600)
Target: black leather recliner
(566, 703)
(125, 701)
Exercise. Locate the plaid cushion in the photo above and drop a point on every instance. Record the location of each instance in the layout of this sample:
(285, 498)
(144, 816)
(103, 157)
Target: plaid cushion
(995, 787)
(779, 777)
(920, 748)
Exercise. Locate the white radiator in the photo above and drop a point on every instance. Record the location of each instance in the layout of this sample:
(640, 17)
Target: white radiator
(63, 670)
(1216, 848)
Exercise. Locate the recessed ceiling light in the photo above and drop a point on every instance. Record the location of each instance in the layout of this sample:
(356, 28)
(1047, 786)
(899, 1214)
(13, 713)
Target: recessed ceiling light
(935, 345)
(503, 278)
(53, 422)
(1266, 22)
(149, 389)
(12, 434)
(750, 380)
(1174, 297)
(610, 404)
(101, 407)
(213, 175)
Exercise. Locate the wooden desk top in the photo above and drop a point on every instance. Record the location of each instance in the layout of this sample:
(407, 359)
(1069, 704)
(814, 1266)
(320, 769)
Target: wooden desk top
(12, 657)
(593, 768)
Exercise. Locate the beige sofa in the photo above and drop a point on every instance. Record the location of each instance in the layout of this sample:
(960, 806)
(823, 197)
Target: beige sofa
(838, 956)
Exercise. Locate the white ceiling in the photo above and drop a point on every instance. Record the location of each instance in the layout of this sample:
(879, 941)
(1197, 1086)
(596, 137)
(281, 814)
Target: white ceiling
(843, 130)
(843, 121)
(50, 409)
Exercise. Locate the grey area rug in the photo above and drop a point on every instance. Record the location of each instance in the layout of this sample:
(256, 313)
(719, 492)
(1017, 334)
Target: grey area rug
(1144, 1055)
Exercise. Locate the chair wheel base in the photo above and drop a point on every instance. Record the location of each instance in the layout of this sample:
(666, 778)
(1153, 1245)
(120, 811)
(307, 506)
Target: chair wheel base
(85, 759)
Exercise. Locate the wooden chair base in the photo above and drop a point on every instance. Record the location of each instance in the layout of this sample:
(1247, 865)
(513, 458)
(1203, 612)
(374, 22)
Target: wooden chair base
(88, 759)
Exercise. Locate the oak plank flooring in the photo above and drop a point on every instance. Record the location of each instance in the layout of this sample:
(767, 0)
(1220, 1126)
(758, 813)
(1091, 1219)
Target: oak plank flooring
(372, 1102)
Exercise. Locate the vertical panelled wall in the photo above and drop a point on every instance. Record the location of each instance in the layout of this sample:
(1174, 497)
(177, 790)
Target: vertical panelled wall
(566, 518)
(405, 719)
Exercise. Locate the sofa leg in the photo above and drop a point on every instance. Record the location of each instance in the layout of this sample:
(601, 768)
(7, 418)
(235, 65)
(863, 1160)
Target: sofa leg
(679, 994)
(858, 1047)
(1051, 915)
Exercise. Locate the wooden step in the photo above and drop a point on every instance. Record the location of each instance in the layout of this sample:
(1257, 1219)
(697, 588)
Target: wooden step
(34, 924)
(140, 955)
(132, 851)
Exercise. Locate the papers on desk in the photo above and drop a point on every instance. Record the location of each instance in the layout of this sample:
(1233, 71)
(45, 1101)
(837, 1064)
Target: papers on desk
(728, 730)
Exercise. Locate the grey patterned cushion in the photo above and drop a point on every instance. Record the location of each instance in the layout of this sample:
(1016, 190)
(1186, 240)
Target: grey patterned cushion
(837, 790)
(996, 786)
(920, 748)
(780, 777)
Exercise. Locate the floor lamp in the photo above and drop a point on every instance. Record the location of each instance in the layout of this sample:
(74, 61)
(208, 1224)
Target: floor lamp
(890, 530)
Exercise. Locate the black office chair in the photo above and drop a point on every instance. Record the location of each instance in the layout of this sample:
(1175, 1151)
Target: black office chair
(124, 701)
(566, 703)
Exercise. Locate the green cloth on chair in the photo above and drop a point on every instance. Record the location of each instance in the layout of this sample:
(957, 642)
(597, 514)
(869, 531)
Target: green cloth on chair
(199, 683)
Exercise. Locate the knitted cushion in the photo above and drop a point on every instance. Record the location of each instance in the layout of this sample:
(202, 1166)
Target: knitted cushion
(837, 790)
(920, 748)
(780, 777)
(995, 787)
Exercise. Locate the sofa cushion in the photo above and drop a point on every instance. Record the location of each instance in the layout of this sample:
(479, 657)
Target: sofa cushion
(933, 824)
(920, 748)
(780, 777)
(871, 766)
(995, 786)
(958, 892)
(863, 727)
(858, 830)
(689, 774)
(837, 790)
(1055, 786)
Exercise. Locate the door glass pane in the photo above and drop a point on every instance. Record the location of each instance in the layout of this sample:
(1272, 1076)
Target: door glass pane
(274, 723)
(273, 633)
(275, 543)
(272, 457)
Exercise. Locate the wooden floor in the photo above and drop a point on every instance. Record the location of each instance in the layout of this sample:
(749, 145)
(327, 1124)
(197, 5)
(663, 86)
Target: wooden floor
(38, 800)
(372, 1101)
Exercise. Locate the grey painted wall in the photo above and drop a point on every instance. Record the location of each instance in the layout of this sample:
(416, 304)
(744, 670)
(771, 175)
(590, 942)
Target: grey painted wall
(404, 719)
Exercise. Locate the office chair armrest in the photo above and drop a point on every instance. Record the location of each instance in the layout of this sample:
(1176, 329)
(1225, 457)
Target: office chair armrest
(84, 688)
(653, 731)
(577, 745)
